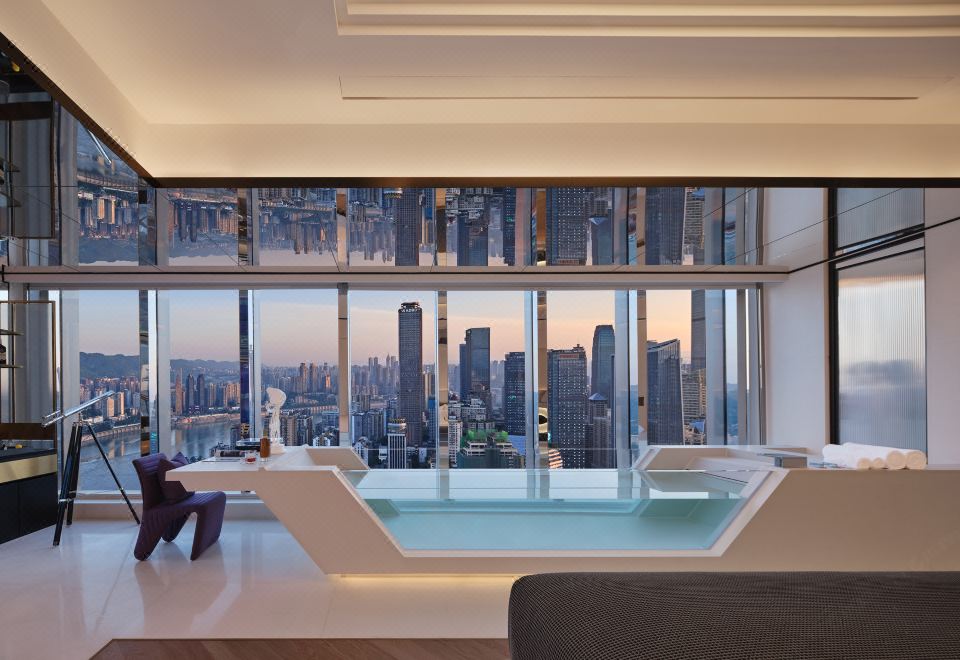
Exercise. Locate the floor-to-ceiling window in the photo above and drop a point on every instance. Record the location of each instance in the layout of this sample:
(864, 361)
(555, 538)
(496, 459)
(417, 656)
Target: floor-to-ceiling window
(203, 331)
(545, 373)
(297, 353)
(487, 364)
(392, 375)
(106, 336)
(581, 359)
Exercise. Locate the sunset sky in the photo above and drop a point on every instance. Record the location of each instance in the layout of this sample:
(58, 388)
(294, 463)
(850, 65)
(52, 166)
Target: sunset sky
(301, 325)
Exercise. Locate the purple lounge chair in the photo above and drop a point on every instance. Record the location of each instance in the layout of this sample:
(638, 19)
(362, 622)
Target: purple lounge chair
(166, 507)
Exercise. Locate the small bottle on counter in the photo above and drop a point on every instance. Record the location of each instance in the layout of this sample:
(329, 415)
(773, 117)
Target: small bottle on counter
(264, 447)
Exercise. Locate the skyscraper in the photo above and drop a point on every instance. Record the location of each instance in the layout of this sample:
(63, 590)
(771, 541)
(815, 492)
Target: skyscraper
(178, 394)
(477, 367)
(599, 441)
(296, 429)
(567, 226)
(454, 433)
(190, 397)
(407, 217)
(698, 330)
(601, 239)
(695, 383)
(513, 393)
(566, 415)
(473, 229)
(601, 365)
(201, 397)
(694, 395)
(464, 372)
(693, 225)
(601, 226)
(397, 435)
(663, 226)
(410, 393)
(509, 206)
(665, 398)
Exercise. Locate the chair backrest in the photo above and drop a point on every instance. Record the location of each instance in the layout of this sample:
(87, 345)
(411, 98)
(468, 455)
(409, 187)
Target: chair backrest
(148, 471)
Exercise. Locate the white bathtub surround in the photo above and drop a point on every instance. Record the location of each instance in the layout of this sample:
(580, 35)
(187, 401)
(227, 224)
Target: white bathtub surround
(795, 519)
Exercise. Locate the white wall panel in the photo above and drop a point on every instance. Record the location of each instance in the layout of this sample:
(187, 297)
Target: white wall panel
(943, 342)
(795, 351)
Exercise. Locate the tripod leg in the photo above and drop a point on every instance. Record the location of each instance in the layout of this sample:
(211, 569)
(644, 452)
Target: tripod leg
(114, 475)
(74, 474)
(61, 512)
(62, 504)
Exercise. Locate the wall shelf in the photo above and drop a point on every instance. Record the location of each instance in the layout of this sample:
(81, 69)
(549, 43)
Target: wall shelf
(28, 388)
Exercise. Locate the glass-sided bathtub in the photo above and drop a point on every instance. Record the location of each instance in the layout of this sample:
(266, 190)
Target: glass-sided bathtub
(555, 510)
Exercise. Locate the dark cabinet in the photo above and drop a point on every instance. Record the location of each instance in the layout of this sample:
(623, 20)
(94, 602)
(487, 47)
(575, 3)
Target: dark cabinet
(27, 505)
(9, 511)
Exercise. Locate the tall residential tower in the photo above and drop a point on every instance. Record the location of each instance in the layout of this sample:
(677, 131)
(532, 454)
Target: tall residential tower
(410, 392)
(567, 408)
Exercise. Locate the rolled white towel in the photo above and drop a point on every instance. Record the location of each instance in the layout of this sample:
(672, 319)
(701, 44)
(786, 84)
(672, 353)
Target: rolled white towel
(841, 456)
(893, 458)
(916, 460)
(861, 463)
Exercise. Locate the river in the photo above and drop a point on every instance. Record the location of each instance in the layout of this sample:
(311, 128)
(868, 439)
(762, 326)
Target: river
(121, 448)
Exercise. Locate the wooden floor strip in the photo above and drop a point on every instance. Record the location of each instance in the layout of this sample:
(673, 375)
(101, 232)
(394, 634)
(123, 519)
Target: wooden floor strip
(311, 649)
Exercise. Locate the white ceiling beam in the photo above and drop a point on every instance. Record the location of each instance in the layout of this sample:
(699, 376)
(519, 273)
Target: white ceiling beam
(401, 278)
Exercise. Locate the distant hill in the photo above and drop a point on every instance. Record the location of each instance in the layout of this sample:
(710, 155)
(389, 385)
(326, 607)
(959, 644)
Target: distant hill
(98, 365)
(208, 366)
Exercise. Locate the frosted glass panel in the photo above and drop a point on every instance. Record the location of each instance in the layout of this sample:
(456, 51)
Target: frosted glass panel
(866, 213)
(881, 354)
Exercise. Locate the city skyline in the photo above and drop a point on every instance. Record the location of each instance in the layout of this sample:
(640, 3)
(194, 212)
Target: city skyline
(580, 400)
(288, 342)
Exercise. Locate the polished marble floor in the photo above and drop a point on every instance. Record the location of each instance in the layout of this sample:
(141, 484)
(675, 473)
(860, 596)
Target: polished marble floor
(68, 602)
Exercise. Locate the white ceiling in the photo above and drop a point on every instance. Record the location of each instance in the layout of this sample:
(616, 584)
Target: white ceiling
(167, 76)
(638, 18)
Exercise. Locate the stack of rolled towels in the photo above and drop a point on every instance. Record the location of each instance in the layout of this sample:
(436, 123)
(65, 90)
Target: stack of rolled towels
(870, 457)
